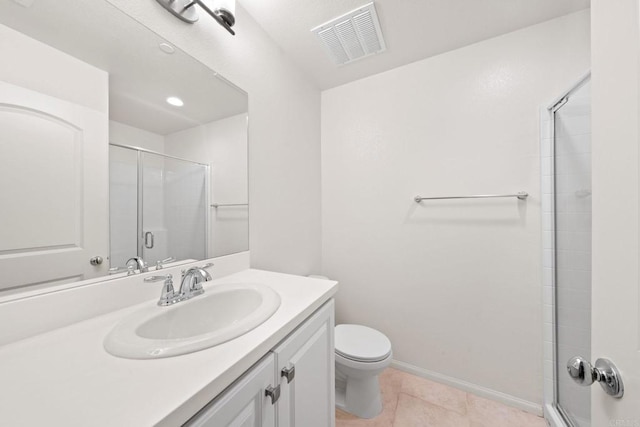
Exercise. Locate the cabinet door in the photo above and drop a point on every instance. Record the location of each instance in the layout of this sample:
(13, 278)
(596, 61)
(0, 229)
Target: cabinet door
(245, 403)
(308, 393)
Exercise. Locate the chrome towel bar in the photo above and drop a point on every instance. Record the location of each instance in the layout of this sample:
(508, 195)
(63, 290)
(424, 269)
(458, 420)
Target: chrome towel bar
(228, 204)
(522, 195)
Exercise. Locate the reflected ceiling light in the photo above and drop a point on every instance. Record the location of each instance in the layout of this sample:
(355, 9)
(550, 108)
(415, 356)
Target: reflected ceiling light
(175, 101)
(223, 11)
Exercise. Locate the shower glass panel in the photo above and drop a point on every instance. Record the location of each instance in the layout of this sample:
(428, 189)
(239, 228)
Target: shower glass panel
(158, 206)
(174, 209)
(572, 212)
(123, 205)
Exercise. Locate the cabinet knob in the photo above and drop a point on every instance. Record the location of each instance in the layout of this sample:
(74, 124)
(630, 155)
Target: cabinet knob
(288, 373)
(273, 393)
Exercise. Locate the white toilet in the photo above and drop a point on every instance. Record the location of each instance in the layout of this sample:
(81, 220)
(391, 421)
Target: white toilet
(362, 353)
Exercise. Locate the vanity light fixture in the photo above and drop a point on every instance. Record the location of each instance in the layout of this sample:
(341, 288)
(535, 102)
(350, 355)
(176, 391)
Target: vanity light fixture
(175, 101)
(223, 11)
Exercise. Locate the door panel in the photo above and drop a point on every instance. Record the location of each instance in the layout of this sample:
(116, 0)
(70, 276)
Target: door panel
(615, 314)
(59, 151)
(308, 398)
(572, 213)
(174, 209)
(244, 404)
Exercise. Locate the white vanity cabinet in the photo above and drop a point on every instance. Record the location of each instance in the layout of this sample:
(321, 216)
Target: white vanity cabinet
(245, 403)
(293, 385)
(305, 364)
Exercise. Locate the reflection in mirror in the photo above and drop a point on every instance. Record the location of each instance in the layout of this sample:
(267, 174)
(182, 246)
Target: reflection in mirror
(99, 165)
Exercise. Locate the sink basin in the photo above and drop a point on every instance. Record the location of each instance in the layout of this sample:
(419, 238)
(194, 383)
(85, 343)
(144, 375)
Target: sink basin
(222, 313)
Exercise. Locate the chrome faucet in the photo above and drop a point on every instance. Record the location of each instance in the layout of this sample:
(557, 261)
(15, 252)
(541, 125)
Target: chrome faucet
(190, 285)
(138, 263)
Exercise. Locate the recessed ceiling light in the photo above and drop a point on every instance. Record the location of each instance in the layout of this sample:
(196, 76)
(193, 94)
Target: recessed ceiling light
(167, 48)
(175, 101)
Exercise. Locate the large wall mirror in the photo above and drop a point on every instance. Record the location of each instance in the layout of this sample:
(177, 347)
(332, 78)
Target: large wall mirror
(114, 144)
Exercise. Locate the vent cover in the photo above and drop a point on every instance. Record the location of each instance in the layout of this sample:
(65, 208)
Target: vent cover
(353, 35)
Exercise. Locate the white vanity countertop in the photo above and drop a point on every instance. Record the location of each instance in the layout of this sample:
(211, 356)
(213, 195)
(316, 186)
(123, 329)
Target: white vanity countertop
(66, 378)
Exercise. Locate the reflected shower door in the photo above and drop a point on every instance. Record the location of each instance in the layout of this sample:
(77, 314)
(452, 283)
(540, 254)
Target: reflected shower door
(174, 209)
(123, 205)
(572, 212)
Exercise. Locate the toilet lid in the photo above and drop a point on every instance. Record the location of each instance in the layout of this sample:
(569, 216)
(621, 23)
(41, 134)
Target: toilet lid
(360, 343)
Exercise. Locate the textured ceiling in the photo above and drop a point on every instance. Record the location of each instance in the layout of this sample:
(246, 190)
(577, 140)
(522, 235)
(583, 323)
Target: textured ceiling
(413, 29)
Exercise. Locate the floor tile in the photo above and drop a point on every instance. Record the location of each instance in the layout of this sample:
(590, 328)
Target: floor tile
(415, 412)
(488, 413)
(439, 394)
(411, 401)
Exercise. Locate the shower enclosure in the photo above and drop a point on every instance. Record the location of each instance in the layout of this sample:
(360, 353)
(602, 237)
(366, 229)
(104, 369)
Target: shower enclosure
(567, 253)
(158, 206)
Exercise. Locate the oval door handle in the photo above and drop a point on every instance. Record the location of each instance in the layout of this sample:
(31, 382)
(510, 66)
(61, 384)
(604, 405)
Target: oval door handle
(148, 243)
(604, 372)
(273, 393)
(288, 373)
(96, 260)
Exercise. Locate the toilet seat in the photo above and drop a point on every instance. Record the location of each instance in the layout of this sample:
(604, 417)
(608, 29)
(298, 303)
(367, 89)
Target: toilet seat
(361, 344)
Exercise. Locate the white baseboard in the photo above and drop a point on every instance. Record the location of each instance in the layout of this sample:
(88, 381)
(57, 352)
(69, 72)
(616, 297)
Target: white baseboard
(507, 399)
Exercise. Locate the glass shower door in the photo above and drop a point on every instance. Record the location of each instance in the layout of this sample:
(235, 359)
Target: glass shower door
(123, 205)
(174, 209)
(572, 214)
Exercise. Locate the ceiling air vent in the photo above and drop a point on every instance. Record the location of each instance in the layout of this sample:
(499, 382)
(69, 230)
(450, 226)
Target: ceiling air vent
(353, 35)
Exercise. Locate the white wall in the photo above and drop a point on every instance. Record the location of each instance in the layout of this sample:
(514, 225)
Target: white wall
(284, 132)
(69, 78)
(122, 134)
(456, 285)
(222, 144)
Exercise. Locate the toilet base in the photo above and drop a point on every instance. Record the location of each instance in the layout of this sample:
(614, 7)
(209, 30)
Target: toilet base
(359, 396)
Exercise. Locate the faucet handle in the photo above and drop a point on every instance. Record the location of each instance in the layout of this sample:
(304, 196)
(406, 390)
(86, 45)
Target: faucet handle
(159, 263)
(117, 270)
(155, 278)
(168, 295)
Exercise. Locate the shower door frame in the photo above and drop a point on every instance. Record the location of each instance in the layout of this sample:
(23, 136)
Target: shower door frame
(140, 194)
(553, 412)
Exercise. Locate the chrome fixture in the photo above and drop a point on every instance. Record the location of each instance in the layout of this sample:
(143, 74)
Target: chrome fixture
(96, 260)
(522, 195)
(117, 270)
(190, 285)
(149, 239)
(217, 205)
(160, 264)
(605, 372)
(223, 11)
(138, 264)
(168, 294)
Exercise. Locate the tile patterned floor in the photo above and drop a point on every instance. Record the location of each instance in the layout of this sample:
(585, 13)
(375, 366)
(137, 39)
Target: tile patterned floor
(411, 401)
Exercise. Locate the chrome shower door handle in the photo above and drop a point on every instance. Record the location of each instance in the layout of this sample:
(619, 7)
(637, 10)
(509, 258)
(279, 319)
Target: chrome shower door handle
(148, 240)
(604, 372)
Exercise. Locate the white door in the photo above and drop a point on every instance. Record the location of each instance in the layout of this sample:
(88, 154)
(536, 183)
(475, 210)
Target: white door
(54, 187)
(615, 112)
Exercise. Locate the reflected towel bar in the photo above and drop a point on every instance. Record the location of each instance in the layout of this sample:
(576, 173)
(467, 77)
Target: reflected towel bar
(522, 195)
(228, 204)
